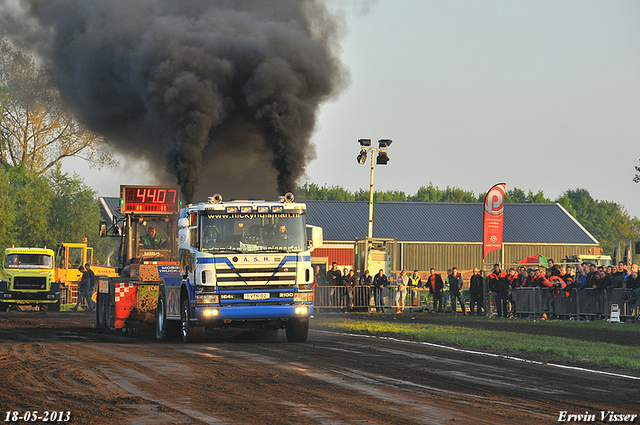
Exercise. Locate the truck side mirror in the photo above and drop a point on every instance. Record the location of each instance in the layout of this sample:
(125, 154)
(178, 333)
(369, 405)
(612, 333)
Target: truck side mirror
(316, 237)
(103, 228)
(184, 238)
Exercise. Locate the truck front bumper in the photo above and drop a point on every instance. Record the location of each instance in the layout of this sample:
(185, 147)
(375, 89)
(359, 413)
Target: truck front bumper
(29, 297)
(206, 314)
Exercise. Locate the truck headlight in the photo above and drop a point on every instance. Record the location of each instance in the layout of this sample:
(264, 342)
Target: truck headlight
(303, 297)
(207, 299)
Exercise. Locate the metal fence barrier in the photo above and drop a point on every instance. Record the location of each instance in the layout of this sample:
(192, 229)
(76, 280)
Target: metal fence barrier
(524, 302)
(527, 301)
(363, 298)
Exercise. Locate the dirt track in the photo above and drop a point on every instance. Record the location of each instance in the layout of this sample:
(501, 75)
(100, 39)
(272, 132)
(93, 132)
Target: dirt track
(57, 362)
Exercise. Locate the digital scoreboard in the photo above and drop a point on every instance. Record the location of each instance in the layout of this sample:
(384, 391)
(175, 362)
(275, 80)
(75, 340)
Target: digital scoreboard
(149, 199)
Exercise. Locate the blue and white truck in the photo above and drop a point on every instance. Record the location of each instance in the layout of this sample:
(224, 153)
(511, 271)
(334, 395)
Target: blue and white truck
(244, 265)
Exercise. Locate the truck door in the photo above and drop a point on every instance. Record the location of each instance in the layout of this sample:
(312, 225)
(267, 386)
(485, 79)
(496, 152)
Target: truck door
(75, 257)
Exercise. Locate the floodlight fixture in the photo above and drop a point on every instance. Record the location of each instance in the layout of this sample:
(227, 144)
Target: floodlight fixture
(362, 158)
(384, 143)
(382, 158)
(364, 142)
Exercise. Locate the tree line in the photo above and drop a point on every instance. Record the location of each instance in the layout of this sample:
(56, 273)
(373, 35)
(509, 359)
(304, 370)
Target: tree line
(38, 210)
(607, 221)
(39, 205)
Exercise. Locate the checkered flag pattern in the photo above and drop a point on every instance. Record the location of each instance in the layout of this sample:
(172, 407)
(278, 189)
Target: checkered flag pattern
(122, 289)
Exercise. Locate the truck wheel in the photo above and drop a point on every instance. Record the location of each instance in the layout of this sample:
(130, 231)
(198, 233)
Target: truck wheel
(190, 333)
(165, 329)
(297, 331)
(102, 312)
(3, 307)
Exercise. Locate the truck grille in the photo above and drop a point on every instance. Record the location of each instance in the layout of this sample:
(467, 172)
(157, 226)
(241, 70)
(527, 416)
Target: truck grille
(28, 282)
(256, 277)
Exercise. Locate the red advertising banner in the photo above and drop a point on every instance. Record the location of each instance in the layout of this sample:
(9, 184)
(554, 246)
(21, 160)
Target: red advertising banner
(493, 218)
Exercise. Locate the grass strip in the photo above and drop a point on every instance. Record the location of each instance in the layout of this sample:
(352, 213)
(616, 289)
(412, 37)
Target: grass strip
(501, 342)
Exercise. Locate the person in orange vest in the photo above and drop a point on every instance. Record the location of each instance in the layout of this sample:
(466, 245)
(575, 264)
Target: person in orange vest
(512, 278)
(499, 285)
(540, 279)
(568, 275)
(556, 287)
(436, 288)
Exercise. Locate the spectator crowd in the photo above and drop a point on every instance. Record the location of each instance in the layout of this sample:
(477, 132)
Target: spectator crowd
(563, 283)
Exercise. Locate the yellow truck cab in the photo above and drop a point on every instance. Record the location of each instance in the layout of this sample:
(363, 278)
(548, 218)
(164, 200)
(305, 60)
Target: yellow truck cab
(598, 260)
(28, 279)
(69, 257)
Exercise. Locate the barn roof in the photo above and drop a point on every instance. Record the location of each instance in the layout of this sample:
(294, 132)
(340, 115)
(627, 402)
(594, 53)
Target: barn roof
(444, 222)
(435, 221)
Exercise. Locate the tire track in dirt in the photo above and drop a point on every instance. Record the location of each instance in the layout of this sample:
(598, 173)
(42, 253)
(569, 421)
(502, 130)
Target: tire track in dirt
(346, 396)
(65, 377)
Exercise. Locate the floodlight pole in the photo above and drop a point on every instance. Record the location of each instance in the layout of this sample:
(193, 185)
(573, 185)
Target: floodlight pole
(365, 146)
(370, 232)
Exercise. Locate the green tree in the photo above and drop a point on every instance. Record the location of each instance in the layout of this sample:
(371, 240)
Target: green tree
(32, 196)
(537, 198)
(73, 207)
(311, 191)
(432, 193)
(44, 210)
(75, 213)
(7, 210)
(516, 196)
(37, 130)
(607, 221)
(390, 196)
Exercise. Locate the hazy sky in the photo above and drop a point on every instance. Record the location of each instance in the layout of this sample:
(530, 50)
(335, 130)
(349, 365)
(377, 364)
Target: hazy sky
(543, 95)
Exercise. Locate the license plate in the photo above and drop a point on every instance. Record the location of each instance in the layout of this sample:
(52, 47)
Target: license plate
(258, 296)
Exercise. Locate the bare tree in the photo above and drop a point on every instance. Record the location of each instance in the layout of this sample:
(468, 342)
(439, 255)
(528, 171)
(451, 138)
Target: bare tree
(37, 130)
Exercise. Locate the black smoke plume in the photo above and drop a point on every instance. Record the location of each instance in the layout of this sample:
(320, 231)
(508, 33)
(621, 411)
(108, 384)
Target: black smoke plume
(223, 95)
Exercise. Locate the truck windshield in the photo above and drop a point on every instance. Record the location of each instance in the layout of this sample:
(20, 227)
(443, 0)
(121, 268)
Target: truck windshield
(153, 239)
(29, 261)
(253, 233)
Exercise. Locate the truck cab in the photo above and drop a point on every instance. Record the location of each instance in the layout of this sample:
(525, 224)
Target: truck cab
(244, 265)
(69, 258)
(28, 279)
(598, 260)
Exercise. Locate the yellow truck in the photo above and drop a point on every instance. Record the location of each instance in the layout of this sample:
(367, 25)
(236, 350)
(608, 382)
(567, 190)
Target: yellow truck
(69, 257)
(28, 279)
(598, 260)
